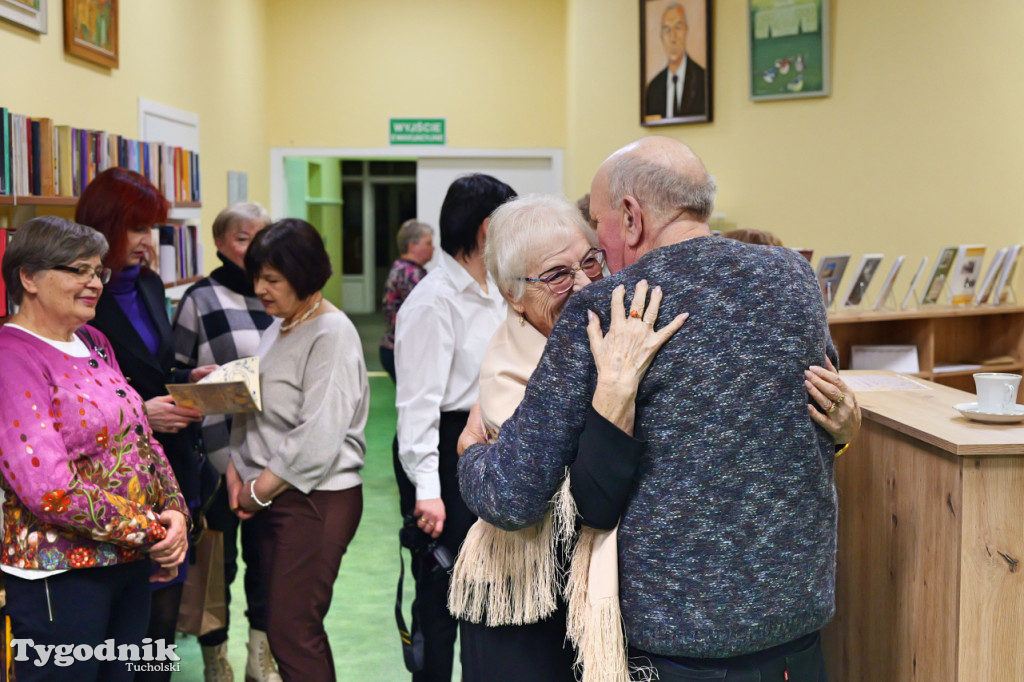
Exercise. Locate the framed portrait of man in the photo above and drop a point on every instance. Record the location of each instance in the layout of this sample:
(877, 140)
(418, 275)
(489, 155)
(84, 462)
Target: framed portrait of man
(675, 62)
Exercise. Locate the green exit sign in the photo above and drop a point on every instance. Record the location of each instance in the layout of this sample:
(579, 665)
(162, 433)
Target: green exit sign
(417, 131)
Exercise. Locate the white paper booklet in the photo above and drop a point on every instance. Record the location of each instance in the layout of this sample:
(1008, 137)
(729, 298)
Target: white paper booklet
(890, 279)
(232, 388)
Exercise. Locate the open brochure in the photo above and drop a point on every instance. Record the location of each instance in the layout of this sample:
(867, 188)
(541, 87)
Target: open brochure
(232, 388)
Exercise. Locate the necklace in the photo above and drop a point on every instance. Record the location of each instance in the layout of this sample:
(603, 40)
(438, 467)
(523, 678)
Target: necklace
(292, 325)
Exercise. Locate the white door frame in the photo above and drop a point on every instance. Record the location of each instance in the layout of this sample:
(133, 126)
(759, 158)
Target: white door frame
(279, 189)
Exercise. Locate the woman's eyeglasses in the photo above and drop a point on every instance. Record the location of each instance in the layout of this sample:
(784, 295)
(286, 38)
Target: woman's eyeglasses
(560, 280)
(85, 273)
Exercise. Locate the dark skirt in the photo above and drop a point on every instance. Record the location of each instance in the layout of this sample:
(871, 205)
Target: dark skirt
(537, 652)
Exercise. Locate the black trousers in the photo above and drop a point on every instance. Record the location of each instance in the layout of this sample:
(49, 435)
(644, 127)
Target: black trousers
(430, 610)
(799, 660)
(220, 517)
(80, 606)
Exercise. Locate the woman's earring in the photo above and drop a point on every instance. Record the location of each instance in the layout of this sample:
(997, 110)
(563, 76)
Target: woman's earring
(522, 319)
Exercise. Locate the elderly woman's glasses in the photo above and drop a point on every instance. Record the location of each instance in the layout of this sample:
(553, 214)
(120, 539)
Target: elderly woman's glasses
(560, 280)
(85, 273)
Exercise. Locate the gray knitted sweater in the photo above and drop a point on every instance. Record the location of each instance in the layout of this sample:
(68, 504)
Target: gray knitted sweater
(727, 545)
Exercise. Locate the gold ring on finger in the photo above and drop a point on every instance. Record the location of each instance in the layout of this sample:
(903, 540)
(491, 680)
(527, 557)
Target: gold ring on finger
(833, 408)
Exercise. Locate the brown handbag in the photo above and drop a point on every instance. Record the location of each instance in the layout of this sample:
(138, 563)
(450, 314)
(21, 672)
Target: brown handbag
(203, 600)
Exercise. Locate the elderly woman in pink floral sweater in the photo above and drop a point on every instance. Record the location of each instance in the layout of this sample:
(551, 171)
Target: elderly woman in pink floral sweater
(89, 495)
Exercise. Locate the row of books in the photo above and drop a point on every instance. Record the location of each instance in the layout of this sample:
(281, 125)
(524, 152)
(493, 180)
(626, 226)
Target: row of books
(39, 158)
(959, 267)
(5, 236)
(179, 253)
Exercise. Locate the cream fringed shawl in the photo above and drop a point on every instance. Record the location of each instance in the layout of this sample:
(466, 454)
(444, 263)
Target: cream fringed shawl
(512, 577)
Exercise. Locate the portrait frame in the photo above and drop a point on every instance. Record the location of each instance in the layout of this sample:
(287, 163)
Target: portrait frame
(84, 19)
(790, 49)
(693, 101)
(19, 12)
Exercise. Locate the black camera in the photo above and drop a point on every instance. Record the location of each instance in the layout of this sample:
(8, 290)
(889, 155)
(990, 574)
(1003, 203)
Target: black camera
(435, 557)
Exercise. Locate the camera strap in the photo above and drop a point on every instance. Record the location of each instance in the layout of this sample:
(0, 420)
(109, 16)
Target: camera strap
(412, 642)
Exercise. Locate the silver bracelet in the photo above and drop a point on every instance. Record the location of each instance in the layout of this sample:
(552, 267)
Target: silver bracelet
(252, 494)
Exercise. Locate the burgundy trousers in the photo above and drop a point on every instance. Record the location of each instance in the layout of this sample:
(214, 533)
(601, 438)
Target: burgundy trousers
(302, 540)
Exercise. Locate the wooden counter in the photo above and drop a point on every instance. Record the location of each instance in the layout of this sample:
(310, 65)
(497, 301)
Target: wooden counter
(929, 584)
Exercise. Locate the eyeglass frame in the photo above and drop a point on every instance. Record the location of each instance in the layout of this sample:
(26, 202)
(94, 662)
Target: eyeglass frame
(103, 273)
(572, 271)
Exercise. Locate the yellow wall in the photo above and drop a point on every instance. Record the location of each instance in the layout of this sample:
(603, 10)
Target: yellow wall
(919, 146)
(204, 57)
(338, 70)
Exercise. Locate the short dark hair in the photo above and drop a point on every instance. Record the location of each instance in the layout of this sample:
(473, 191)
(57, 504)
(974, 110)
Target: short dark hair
(43, 242)
(469, 201)
(294, 248)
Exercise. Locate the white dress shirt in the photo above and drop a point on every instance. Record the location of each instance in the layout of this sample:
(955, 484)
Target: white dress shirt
(441, 333)
(674, 94)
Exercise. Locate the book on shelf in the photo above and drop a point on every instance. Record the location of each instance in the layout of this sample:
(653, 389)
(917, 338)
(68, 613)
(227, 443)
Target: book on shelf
(46, 158)
(940, 273)
(3, 287)
(830, 274)
(862, 277)
(913, 283)
(232, 388)
(887, 285)
(989, 282)
(5, 152)
(966, 270)
(1001, 294)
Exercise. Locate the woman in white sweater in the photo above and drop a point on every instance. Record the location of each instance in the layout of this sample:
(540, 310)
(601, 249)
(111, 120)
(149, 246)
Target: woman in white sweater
(295, 464)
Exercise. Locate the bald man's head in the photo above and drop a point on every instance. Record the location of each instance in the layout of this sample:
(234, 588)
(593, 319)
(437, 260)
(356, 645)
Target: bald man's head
(667, 178)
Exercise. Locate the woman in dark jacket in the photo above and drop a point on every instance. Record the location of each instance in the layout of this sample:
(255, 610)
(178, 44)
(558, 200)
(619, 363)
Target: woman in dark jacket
(124, 206)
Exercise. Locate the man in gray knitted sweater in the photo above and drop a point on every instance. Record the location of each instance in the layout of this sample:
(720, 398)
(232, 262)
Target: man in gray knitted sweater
(727, 541)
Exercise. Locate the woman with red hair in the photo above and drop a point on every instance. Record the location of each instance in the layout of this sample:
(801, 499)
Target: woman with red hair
(124, 206)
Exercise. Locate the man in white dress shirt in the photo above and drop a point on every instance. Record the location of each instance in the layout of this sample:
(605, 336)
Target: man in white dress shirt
(441, 333)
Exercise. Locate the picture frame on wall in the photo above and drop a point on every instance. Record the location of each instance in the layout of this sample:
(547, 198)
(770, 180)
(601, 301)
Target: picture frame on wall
(90, 31)
(789, 49)
(28, 13)
(676, 73)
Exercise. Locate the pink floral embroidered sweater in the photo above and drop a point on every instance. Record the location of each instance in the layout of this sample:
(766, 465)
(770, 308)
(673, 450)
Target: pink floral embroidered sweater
(83, 477)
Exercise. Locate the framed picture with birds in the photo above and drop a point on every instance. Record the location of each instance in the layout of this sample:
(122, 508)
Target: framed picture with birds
(789, 48)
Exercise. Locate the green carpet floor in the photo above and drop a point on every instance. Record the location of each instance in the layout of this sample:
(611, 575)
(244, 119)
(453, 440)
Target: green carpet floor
(361, 622)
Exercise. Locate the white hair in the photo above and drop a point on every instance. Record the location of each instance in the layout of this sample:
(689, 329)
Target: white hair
(662, 190)
(521, 231)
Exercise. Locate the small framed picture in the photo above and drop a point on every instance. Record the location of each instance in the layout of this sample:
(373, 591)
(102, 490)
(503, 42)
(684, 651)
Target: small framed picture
(28, 13)
(789, 49)
(90, 31)
(675, 62)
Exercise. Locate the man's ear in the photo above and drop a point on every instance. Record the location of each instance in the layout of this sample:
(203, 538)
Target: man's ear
(481, 235)
(632, 221)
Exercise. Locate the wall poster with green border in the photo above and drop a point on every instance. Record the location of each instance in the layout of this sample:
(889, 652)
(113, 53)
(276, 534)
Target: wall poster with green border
(789, 49)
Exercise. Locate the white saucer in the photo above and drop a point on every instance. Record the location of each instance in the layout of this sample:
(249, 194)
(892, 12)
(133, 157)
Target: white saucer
(970, 410)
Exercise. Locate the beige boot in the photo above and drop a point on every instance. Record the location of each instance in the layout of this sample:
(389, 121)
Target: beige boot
(260, 666)
(216, 667)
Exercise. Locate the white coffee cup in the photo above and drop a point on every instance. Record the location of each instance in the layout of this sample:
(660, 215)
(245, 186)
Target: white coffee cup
(997, 392)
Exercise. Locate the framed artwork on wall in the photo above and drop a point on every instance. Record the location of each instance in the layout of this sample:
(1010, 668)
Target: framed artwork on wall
(789, 48)
(90, 30)
(28, 13)
(675, 62)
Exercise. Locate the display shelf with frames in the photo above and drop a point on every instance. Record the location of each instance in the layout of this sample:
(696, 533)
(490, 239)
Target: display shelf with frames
(942, 335)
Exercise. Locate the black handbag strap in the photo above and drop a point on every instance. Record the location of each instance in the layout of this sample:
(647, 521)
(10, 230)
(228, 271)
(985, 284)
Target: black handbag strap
(91, 343)
(412, 642)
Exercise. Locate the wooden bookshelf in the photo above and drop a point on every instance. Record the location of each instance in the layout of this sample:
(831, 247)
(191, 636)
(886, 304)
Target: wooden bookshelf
(32, 200)
(182, 282)
(943, 335)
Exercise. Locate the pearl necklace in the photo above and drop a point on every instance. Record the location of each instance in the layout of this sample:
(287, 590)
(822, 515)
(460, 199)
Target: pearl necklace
(292, 325)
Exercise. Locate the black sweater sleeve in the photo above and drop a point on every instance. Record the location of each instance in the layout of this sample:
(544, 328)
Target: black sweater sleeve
(601, 478)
